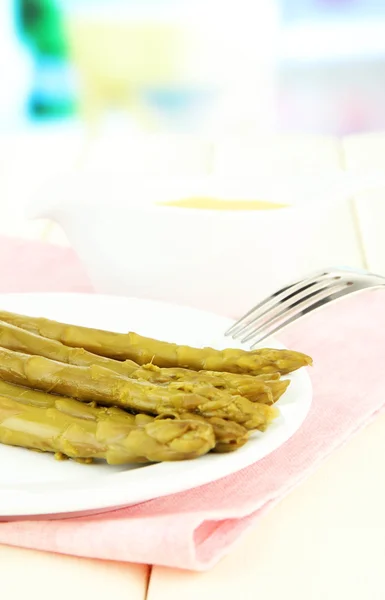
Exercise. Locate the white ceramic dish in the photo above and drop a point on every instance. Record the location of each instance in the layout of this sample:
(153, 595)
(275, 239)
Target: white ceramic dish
(221, 261)
(36, 484)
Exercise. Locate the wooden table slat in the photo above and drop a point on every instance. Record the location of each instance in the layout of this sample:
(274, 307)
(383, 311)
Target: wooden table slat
(43, 576)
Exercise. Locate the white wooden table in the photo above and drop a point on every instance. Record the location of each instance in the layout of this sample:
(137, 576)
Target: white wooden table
(326, 540)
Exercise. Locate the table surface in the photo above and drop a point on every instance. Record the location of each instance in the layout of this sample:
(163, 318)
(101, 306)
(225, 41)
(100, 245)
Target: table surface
(324, 541)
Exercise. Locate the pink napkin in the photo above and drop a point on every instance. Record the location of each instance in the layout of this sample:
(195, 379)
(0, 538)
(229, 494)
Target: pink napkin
(194, 529)
(27, 266)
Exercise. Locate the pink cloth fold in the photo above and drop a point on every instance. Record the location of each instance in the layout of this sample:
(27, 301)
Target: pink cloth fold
(34, 266)
(194, 529)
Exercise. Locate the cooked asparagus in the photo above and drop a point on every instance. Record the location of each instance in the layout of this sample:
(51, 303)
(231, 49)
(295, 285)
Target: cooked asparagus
(14, 338)
(144, 350)
(243, 385)
(164, 354)
(41, 421)
(97, 384)
(265, 376)
(278, 388)
(266, 391)
(22, 340)
(229, 436)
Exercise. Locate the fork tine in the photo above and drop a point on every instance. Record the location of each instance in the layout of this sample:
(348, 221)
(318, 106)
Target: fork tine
(270, 328)
(236, 327)
(293, 301)
(297, 299)
(274, 299)
(281, 307)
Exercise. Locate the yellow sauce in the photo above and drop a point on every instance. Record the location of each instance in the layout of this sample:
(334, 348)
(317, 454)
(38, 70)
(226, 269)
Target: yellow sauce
(215, 204)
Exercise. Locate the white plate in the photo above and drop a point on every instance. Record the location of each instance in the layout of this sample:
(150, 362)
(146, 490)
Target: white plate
(36, 484)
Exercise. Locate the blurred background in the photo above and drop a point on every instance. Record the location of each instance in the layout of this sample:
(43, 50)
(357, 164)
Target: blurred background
(192, 90)
(180, 87)
(314, 66)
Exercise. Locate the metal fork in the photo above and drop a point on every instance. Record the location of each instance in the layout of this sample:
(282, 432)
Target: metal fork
(296, 300)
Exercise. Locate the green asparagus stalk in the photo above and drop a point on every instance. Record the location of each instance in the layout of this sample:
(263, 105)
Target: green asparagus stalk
(41, 421)
(142, 350)
(97, 384)
(21, 340)
(266, 389)
(277, 388)
(274, 389)
(229, 436)
(17, 339)
(266, 376)
(238, 385)
(244, 385)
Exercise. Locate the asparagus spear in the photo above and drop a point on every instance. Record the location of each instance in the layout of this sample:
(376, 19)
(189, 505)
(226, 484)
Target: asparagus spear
(266, 376)
(21, 340)
(244, 385)
(229, 436)
(97, 384)
(18, 339)
(278, 388)
(265, 391)
(144, 350)
(47, 423)
(247, 386)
